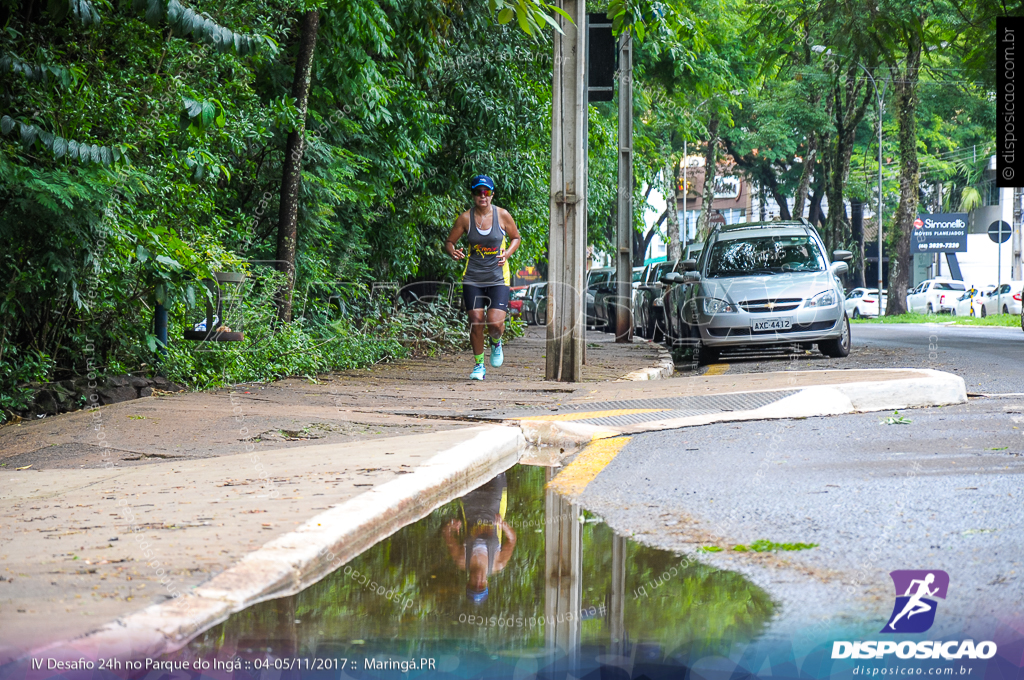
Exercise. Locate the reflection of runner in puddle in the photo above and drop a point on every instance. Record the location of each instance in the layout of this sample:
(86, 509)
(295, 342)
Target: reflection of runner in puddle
(914, 604)
(481, 543)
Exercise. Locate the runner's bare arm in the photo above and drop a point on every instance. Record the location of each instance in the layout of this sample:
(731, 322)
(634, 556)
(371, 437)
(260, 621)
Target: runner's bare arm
(455, 549)
(450, 245)
(509, 225)
(508, 545)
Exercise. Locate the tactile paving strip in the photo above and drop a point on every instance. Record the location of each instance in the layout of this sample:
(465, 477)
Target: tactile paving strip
(662, 409)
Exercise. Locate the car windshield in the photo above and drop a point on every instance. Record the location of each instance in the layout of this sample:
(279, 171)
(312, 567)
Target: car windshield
(636, 274)
(765, 255)
(941, 285)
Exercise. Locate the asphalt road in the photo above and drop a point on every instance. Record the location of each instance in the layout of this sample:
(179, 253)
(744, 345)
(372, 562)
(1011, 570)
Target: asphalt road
(944, 490)
(989, 359)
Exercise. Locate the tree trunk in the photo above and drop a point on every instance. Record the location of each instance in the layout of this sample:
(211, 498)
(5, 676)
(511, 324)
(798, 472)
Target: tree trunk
(675, 245)
(905, 104)
(642, 243)
(291, 179)
(848, 103)
(710, 165)
(780, 199)
(803, 187)
(857, 225)
(814, 211)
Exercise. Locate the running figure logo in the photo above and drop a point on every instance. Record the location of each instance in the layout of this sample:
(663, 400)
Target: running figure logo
(914, 612)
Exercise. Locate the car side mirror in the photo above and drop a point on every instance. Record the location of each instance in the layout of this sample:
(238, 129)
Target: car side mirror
(844, 255)
(838, 268)
(689, 265)
(671, 277)
(691, 277)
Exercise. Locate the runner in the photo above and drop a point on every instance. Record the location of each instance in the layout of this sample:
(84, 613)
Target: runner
(485, 278)
(481, 542)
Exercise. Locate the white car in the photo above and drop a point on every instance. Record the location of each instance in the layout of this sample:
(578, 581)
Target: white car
(863, 302)
(935, 295)
(1005, 299)
(968, 304)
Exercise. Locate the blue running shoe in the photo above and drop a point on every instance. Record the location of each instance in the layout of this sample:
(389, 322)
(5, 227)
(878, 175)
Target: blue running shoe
(478, 372)
(497, 356)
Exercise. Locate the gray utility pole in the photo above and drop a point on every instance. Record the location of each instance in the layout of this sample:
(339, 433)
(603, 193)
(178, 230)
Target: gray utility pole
(624, 209)
(567, 244)
(879, 96)
(563, 575)
(1016, 273)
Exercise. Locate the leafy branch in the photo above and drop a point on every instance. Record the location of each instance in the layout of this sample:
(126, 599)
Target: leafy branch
(530, 14)
(185, 20)
(59, 146)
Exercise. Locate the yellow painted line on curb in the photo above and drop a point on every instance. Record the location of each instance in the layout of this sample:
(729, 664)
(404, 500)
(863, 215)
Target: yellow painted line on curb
(586, 415)
(717, 369)
(588, 464)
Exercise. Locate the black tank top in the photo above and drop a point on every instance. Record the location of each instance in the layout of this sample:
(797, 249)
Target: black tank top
(482, 266)
(479, 508)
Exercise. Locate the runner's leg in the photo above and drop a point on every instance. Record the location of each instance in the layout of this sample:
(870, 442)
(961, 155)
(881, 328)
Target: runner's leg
(476, 331)
(495, 323)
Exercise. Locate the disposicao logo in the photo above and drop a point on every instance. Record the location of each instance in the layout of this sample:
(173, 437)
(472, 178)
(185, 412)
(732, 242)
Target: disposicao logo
(916, 586)
(914, 612)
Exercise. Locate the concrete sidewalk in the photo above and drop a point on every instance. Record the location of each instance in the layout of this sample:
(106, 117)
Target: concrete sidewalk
(183, 505)
(107, 512)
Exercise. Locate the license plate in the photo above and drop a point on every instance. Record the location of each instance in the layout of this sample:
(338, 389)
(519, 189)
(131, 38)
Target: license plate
(771, 324)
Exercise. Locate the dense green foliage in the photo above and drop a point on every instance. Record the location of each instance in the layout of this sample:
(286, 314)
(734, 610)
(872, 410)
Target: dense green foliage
(177, 128)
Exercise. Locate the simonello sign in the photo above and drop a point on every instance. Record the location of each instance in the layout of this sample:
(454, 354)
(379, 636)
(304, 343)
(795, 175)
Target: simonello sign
(939, 233)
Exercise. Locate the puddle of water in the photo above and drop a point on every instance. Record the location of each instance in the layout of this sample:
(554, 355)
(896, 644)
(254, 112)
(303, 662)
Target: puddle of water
(549, 590)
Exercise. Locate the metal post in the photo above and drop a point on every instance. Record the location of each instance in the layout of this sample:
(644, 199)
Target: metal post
(686, 195)
(567, 233)
(624, 209)
(878, 216)
(617, 597)
(563, 584)
(938, 256)
(1015, 271)
(160, 320)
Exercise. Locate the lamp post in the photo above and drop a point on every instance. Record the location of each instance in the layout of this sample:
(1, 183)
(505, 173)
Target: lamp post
(878, 215)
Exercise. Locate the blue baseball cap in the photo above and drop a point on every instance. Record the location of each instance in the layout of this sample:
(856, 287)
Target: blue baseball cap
(481, 181)
(477, 597)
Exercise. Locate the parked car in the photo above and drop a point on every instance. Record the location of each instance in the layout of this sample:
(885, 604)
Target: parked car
(648, 301)
(761, 283)
(605, 300)
(596, 279)
(535, 304)
(934, 296)
(1004, 299)
(515, 303)
(864, 302)
(968, 304)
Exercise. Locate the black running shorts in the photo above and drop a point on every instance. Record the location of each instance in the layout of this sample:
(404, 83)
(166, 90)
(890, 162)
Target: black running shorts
(492, 297)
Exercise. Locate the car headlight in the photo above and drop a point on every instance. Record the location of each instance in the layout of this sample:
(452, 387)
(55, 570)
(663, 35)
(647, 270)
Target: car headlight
(714, 306)
(826, 298)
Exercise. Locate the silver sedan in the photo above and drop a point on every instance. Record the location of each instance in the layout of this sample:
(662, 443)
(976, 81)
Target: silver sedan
(764, 284)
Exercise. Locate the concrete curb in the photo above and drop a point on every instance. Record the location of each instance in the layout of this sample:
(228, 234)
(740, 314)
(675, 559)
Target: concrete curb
(296, 560)
(666, 368)
(934, 388)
